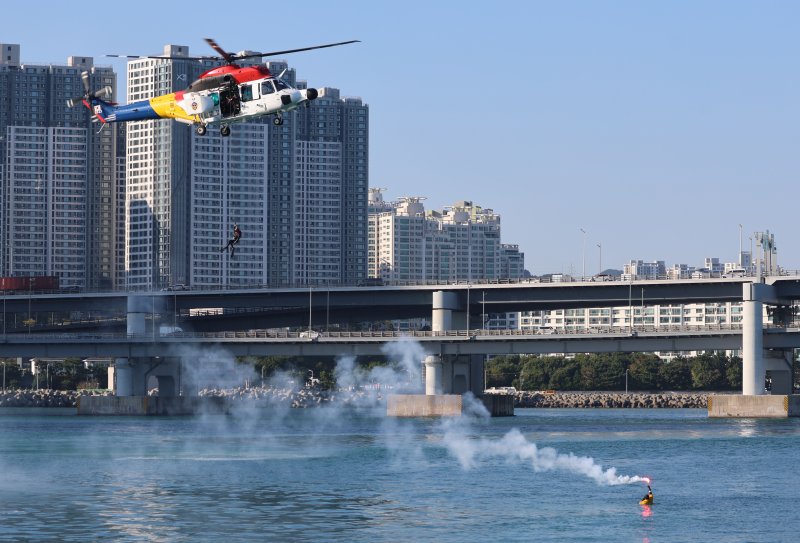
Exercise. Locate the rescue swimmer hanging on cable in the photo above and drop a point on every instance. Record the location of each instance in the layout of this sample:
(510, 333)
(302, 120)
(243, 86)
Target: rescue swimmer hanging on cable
(221, 96)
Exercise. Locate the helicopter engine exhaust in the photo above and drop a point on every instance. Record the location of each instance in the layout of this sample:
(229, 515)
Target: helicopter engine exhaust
(311, 94)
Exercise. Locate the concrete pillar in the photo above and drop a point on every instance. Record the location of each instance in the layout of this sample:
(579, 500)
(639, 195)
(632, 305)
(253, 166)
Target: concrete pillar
(433, 375)
(138, 308)
(779, 364)
(124, 377)
(166, 386)
(444, 303)
(438, 371)
(753, 373)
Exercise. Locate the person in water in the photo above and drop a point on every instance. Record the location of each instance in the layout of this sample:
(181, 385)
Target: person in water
(237, 233)
(649, 496)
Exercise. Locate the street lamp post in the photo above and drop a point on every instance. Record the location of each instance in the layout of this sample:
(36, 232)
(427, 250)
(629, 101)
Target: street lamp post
(468, 307)
(626, 381)
(583, 272)
(740, 246)
(600, 257)
(483, 311)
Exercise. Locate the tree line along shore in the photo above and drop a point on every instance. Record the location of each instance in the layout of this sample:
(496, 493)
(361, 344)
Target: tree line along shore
(642, 372)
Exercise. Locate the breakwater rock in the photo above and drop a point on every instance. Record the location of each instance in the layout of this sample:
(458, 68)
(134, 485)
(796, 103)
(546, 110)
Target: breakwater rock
(297, 398)
(315, 397)
(45, 397)
(659, 400)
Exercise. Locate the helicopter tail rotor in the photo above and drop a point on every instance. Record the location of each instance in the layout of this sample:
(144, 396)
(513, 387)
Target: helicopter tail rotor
(88, 95)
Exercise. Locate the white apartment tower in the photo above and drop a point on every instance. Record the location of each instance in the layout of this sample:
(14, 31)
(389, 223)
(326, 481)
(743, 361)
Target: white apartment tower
(59, 187)
(298, 191)
(158, 176)
(229, 188)
(322, 192)
(46, 201)
(318, 230)
(459, 243)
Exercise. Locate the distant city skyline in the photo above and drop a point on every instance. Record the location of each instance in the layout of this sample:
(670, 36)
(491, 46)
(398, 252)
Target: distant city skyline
(657, 128)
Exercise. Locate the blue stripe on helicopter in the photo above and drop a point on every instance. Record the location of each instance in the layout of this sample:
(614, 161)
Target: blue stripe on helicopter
(137, 111)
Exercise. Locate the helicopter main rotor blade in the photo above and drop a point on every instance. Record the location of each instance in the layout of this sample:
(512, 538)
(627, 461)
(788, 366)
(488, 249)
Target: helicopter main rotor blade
(165, 57)
(275, 53)
(228, 57)
(85, 80)
(222, 52)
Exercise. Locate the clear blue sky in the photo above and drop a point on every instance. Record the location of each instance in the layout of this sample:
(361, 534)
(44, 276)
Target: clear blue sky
(657, 127)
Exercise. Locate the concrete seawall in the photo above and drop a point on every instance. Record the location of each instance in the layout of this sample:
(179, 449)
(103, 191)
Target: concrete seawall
(735, 406)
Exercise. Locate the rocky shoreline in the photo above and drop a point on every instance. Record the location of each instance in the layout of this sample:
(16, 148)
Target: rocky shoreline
(657, 400)
(296, 398)
(306, 397)
(45, 397)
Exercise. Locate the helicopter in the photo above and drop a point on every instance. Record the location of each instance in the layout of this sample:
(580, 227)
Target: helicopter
(222, 96)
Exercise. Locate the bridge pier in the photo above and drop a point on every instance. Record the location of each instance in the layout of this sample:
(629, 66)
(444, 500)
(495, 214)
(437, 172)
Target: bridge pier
(451, 374)
(753, 374)
(753, 402)
(132, 379)
(447, 377)
(779, 364)
(123, 377)
(433, 375)
(135, 376)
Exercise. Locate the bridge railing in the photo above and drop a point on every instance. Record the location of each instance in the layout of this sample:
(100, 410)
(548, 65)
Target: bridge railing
(382, 334)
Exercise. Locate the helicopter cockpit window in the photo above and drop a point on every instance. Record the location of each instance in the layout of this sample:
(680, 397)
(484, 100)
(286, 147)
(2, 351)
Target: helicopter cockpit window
(280, 84)
(247, 93)
(267, 88)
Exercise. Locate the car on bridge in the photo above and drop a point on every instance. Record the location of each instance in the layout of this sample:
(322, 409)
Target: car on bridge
(177, 287)
(501, 390)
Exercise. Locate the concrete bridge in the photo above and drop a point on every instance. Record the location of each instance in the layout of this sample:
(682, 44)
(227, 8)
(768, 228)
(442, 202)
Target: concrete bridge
(455, 357)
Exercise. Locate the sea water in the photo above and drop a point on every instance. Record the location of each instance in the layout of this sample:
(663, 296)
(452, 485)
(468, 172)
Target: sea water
(324, 475)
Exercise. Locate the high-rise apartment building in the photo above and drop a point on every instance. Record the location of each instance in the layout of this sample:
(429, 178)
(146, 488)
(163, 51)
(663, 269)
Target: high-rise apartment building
(330, 184)
(639, 269)
(119, 207)
(461, 242)
(158, 176)
(45, 201)
(57, 205)
(298, 191)
(229, 187)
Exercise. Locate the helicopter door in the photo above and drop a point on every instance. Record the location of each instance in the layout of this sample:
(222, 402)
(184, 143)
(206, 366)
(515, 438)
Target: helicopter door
(229, 100)
(269, 97)
(249, 94)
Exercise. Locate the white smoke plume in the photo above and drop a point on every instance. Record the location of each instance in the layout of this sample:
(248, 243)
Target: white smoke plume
(402, 375)
(211, 367)
(513, 447)
(408, 355)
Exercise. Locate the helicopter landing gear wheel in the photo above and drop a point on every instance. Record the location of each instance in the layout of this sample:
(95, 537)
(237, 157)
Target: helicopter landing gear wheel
(201, 130)
(277, 121)
(225, 131)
